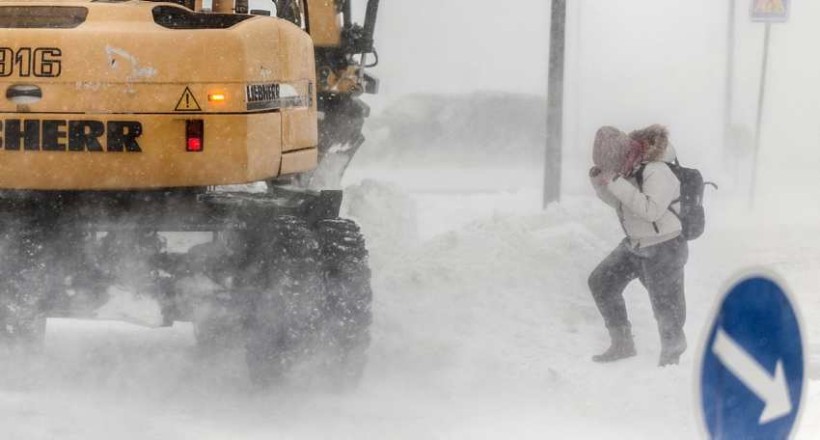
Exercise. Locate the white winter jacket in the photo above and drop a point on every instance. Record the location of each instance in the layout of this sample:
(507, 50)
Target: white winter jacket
(645, 215)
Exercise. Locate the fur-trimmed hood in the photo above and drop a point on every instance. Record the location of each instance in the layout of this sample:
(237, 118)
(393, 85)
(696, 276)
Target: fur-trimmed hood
(611, 149)
(655, 139)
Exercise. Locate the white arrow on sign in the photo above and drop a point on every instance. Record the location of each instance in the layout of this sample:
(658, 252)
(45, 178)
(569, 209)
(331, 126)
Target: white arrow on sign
(773, 391)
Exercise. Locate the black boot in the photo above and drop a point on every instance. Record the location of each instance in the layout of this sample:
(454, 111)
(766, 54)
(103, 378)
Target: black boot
(672, 347)
(622, 345)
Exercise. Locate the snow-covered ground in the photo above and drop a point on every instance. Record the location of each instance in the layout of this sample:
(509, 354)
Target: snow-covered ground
(484, 328)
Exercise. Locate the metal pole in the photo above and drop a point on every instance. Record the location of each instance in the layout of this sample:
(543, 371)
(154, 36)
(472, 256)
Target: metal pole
(555, 103)
(347, 12)
(370, 25)
(730, 75)
(760, 101)
(577, 56)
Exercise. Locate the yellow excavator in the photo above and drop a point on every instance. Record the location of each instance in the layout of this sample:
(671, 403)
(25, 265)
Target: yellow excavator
(129, 124)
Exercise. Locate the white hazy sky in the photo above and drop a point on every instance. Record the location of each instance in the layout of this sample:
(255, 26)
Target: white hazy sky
(455, 46)
(630, 63)
(452, 46)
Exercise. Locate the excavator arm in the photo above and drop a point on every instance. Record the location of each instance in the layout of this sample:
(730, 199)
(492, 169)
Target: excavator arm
(342, 49)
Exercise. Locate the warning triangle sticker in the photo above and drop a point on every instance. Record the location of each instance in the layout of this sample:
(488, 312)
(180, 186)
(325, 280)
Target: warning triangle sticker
(187, 102)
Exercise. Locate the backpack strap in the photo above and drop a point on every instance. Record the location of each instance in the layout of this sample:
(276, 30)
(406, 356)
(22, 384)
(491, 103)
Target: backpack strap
(621, 220)
(676, 163)
(639, 180)
(675, 212)
(639, 176)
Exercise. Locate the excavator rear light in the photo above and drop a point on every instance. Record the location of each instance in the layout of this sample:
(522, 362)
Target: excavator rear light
(194, 135)
(216, 97)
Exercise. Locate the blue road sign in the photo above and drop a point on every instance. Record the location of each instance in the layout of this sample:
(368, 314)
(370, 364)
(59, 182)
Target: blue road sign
(752, 369)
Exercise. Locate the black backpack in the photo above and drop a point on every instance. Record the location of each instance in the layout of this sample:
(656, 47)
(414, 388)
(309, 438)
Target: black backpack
(692, 216)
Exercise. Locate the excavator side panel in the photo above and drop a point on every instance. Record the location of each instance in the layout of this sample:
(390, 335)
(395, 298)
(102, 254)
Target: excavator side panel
(106, 104)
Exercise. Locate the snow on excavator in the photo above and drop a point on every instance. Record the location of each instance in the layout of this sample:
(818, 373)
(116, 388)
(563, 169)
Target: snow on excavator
(124, 121)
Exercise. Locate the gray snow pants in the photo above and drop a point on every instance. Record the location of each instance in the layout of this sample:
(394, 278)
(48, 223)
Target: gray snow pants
(660, 269)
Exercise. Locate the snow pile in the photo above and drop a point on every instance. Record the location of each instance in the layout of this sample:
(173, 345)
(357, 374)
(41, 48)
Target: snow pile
(487, 300)
(385, 213)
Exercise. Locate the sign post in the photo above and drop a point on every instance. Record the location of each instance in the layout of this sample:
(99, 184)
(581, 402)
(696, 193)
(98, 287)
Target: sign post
(768, 12)
(761, 99)
(752, 372)
(555, 103)
(730, 75)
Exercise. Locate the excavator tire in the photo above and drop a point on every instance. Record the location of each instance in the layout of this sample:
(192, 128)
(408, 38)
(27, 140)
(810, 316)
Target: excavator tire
(284, 319)
(348, 297)
(24, 285)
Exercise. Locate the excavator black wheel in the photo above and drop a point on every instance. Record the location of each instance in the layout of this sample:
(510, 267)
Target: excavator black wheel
(281, 328)
(24, 287)
(313, 301)
(348, 297)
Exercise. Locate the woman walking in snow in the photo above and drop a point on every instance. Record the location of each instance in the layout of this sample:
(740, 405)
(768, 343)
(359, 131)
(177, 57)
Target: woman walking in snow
(631, 175)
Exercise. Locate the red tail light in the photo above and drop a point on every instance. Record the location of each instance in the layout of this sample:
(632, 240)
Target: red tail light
(194, 135)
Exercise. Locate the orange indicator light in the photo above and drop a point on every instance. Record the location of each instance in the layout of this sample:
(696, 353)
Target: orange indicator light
(216, 97)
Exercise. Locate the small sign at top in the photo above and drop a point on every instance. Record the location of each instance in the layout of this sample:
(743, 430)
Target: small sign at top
(771, 11)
